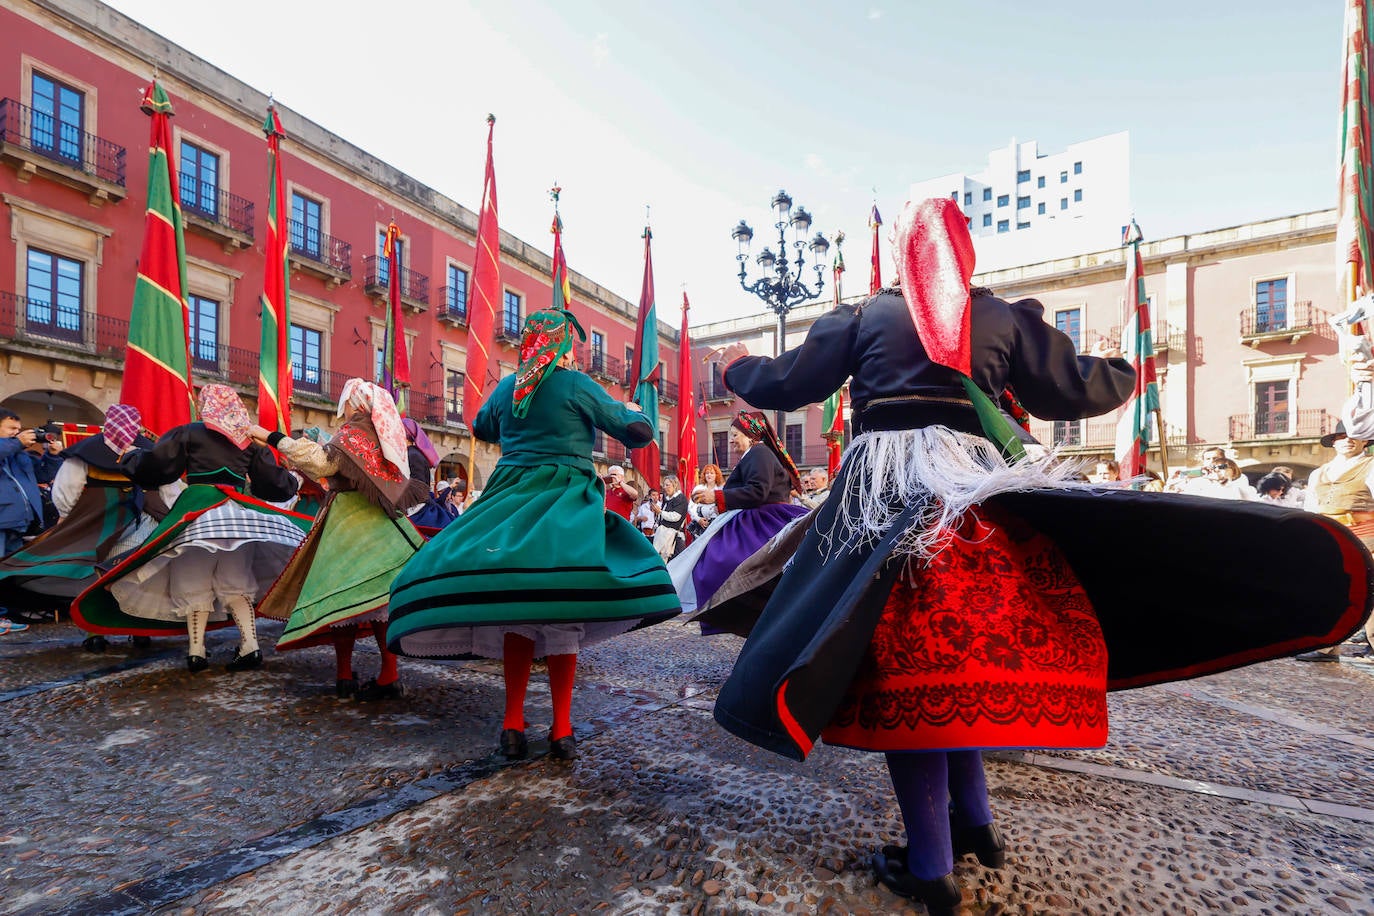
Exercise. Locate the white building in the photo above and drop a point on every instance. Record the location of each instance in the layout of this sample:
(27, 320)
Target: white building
(1028, 206)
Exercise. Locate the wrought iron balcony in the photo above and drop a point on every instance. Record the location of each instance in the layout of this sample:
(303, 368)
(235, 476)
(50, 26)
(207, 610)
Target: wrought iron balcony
(454, 309)
(667, 392)
(1281, 424)
(414, 285)
(1292, 322)
(600, 365)
(713, 389)
(34, 142)
(326, 257)
(507, 336)
(39, 325)
(215, 211)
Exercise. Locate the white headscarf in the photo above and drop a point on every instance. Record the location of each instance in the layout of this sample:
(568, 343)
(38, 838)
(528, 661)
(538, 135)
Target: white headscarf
(360, 395)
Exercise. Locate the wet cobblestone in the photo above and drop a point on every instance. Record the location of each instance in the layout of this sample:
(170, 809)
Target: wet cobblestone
(119, 781)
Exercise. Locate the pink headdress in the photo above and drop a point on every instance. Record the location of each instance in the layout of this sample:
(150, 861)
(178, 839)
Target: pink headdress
(934, 254)
(222, 410)
(122, 423)
(375, 401)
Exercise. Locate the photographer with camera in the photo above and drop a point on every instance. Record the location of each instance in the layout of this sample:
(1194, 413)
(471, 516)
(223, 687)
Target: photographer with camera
(21, 505)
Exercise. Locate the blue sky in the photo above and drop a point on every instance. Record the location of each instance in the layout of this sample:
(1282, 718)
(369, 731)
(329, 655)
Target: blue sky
(703, 110)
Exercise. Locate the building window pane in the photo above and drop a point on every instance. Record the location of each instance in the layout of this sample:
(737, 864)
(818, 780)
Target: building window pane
(1271, 305)
(1003, 199)
(793, 441)
(384, 263)
(306, 225)
(54, 293)
(1022, 203)
(1003, 225)
(1077, 195)
(1063, 177)
(1023, 225)
(199, 178)
(987, 219)
(968, 198)
(1040, 181)
(305, 357)
(204, 332)
(510, 314)
(720, 449)
(596, 356)
(454, 382)
(1023, 175)
(1271, 408)
(1040, 208)
(58, 118)
(987, 194)
(457, 291)
(1078, 168)
(1070, 322)
(1063, 203)
(1068, 432)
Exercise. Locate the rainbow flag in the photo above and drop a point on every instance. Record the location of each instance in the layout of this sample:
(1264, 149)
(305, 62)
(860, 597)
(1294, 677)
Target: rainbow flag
(395, 360)
(157, 369)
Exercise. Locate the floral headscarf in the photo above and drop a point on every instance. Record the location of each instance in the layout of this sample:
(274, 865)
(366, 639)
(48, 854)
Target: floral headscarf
(756, 426)
(374, 400)
(121, 427)
(543, 342)
(222, 410)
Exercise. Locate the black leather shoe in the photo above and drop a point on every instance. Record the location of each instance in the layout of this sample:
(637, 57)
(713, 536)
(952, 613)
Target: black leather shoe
(196, 663)
(564, 748)
(513, 744)
(246, 662)
(372, 691)
(941, 896)
(94, 643)
(345, 687)
(985, 842)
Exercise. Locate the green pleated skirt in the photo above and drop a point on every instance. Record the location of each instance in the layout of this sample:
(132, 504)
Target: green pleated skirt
(537, 550)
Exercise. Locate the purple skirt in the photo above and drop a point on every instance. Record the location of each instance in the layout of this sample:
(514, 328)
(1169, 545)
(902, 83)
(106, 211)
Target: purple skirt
(740, 535)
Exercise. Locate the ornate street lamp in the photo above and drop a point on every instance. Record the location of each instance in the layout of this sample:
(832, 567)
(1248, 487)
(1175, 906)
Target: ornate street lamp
(781, 286)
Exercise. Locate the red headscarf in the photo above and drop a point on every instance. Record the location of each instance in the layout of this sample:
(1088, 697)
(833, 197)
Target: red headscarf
(934, 254)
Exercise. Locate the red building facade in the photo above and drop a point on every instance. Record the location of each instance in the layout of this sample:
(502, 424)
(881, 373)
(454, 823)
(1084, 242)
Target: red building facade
(73, 180)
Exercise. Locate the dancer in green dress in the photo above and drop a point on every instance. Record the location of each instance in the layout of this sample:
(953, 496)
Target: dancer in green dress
(536, 566)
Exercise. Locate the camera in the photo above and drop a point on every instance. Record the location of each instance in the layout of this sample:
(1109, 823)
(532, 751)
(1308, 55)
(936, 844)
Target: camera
(42, 436)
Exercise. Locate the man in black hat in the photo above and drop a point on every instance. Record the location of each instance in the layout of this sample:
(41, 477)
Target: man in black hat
(1343, 490)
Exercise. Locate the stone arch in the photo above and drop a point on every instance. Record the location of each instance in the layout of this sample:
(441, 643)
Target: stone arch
(38, 406)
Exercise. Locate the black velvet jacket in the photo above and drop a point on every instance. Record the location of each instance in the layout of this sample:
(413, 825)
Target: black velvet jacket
(207, 457)
(757, 480)
(896, 386)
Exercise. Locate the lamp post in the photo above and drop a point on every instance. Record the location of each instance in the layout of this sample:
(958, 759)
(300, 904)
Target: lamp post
(781, 286)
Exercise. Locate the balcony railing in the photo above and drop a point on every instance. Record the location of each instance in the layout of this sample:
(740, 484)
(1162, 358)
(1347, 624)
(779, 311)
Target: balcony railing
(414, 285)
(1294, 319)
(599, 364)
(314, 247)
(714, 390)
(667, 392)
(217, 206)
(455, 307)
(37, 323)
(1284, 424)
(507, 336)
(41, 134)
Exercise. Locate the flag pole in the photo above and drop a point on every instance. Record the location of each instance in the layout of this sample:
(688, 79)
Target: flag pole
(1163, 445)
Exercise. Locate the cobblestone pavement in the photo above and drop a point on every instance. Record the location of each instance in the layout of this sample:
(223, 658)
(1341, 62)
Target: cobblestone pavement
(133, 786)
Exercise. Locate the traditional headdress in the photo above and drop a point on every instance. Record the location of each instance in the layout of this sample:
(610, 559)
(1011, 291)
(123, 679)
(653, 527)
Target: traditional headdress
(222, 410)
(755, 425)
(122, 423)
(417, 435)
(543, 342)
(374, 400)
(934, 255)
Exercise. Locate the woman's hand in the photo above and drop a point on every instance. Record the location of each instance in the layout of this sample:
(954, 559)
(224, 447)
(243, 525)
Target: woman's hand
(259, 434)
(634, 405)
(733, 352)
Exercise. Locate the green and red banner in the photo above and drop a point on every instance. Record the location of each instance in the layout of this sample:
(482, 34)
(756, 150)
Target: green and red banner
(686, 407)
(1355, 205)
(1137, 346)
(274, 357)
(395, 360)
(486, 292)
(832, 424)
(157, 369)
(643, 369)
